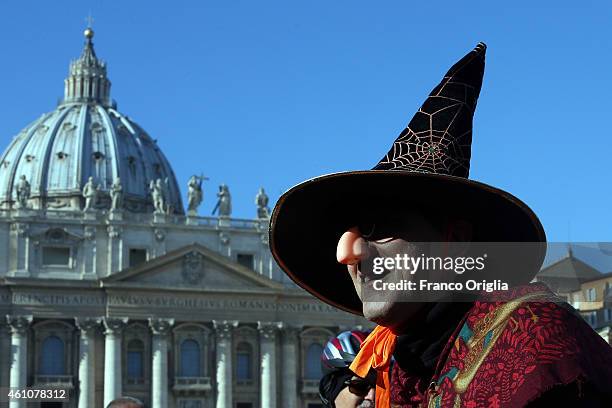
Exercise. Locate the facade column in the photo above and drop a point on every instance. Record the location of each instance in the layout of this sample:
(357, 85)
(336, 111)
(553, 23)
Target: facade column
(159, 383)
(5, 346)
(89, 264)
(112, 357)
(223, 336)
(290, 366)
(115, 249)
(19, 243)
(267, 341)
(19, 354)
(88, 327)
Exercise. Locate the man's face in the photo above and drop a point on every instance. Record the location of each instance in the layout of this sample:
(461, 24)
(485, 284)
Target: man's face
(401, 234)
(348, 399)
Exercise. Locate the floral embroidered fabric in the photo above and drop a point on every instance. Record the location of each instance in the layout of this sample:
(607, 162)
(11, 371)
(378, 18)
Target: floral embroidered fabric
(508, 353)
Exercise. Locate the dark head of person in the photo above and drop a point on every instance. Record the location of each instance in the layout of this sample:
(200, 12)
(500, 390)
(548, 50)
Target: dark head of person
(126, 402)
(340, 387)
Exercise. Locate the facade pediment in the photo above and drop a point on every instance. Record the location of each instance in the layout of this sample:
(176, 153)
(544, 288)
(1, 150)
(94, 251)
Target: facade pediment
(195, 267)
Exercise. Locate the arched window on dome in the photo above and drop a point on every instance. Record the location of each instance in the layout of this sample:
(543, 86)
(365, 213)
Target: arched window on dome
(244, 362)
(190, 359)
(52, 356)
(135, 360)
(313, 362)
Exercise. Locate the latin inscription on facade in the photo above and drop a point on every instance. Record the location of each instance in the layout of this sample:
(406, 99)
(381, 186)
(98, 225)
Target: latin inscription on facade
(159, 301)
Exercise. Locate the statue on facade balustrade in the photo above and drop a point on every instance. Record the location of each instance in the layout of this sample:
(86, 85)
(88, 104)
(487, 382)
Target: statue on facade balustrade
(262, 200)
(116, 193)
(224, 202)
(90, 193)
(22, 190)
(195, 194)
(158, 195)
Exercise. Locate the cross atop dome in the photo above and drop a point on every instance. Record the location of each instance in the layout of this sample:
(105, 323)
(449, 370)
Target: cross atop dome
(89, 32)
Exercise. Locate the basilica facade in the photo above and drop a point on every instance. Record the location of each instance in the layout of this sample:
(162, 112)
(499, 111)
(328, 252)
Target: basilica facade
(109, 287)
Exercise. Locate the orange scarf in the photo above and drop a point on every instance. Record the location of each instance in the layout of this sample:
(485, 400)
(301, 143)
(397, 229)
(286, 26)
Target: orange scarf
(376, 352)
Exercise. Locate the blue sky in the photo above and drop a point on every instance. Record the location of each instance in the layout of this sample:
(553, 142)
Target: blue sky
(274, 92)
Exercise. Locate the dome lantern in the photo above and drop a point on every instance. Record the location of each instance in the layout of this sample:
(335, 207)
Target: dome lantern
(87, 81)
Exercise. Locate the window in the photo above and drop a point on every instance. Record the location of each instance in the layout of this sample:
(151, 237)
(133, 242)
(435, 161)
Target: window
(245, 260)
(590, 294)
(137, 256)
(607, 314)
(190, 404)
(313, 362)
(135, 358)
(190, 359)
(56, 256)
(52, 356)
(243, 362)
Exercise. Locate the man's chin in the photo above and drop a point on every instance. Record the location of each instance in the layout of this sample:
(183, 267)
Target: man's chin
(377, 311)
(393, 315)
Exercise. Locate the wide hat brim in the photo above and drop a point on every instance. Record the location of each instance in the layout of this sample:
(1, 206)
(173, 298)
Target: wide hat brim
(309, 219)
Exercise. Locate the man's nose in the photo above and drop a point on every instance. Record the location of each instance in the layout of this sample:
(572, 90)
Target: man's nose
(352, 248)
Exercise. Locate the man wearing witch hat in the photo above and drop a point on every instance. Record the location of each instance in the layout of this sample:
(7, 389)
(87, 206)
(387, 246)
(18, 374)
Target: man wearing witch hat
(518, 347)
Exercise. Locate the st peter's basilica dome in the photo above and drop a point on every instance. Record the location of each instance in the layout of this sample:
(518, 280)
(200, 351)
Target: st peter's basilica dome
(85, 136)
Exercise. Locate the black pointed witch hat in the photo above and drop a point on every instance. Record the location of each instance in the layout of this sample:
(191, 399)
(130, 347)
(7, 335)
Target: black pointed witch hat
(425, 170)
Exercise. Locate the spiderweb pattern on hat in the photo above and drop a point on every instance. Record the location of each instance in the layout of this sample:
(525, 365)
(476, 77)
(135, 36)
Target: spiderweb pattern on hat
(438, 139)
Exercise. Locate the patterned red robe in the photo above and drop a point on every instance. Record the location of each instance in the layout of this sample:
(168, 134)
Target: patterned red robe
(513, 349)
